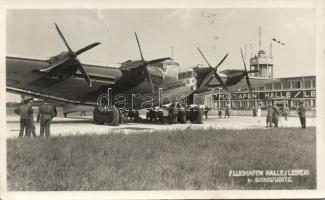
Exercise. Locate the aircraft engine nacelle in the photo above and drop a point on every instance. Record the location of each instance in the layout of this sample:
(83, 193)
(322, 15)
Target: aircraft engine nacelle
(64, 69)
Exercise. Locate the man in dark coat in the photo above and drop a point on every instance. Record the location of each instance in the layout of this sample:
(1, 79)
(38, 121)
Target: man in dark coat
(269, 116)
(301, 112)
(45, 115)
(227, 111)
(25, 111)
(32, 125)
(206, 110)
(275, 117)
(200, 114)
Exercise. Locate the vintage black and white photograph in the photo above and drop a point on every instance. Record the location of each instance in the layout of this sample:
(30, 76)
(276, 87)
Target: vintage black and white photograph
(160, 99)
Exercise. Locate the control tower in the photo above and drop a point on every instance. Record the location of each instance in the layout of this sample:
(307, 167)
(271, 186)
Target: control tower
(263, 63)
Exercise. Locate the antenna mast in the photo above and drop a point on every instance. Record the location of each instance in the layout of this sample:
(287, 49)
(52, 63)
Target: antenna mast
(259, 38)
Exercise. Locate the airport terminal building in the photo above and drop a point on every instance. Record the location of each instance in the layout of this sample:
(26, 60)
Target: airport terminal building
(265, 89)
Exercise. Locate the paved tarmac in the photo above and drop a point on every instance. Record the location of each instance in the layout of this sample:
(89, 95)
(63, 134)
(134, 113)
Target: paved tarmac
(76, 125)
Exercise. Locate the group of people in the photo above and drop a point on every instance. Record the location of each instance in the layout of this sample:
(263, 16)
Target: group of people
(46, 112)
(273, 114)
(227, 112)
(178, 113)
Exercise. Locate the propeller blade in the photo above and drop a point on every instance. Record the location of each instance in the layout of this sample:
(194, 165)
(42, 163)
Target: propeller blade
(246, 73)
(224, 58)
(213, 72)
(249, 84)
(62, 37)
(204, 57)
(216, 75)
(146, 67)
(136, 36)
(86, 48)
(242, 56)
(83, 71)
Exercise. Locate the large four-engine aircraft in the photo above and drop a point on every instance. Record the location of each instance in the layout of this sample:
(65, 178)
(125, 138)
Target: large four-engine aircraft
(134, 85)
(63, 78)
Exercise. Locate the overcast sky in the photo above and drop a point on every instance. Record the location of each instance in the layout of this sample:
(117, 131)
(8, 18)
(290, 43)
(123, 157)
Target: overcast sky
(31, 33)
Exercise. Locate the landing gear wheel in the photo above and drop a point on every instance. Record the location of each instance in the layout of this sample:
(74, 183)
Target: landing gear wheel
(161, 117)
(110, 117)
(136, 116)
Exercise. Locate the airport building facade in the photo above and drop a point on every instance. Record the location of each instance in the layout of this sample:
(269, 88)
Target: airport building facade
(265, 89)
(277, 91)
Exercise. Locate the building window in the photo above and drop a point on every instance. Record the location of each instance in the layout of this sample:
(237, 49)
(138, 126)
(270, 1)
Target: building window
(244, 104)
(307, 84)
(269, 86)
(286, 85)
(261, 88)
(252, 104)
(277, 86)
(296, 85)
(314, 83)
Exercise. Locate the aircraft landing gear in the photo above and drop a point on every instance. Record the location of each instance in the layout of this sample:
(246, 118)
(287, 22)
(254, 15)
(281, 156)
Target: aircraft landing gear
(156, 115)
(111, 117)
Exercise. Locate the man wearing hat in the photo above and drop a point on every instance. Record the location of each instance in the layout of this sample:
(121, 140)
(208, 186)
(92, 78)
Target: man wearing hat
(301, 112)
(31, 121)
(25, 111)
(45, 115)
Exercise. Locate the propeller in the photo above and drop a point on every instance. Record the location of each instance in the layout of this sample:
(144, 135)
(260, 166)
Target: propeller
(246, 73)
(213, 72)
(72, 56)
(145, 65)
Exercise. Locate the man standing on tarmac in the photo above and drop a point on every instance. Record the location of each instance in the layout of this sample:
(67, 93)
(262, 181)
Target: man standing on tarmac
(269, 116)
(45, 115)
(301, 112)
(227, 111)
(259, 112)
(200, 114)
(206, 110)
(32, 125)
(25, 111)
(276, 113)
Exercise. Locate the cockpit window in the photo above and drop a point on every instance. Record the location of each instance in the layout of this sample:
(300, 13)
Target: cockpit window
(184, 75)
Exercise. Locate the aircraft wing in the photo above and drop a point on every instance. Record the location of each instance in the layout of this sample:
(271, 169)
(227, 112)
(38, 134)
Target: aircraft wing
(24, 77)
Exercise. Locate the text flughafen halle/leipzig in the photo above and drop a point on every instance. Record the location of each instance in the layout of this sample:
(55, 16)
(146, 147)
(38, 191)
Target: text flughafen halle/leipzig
(289, 94)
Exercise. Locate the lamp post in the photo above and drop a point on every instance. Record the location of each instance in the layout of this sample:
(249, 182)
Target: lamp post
(230, 99)
(211, 97)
